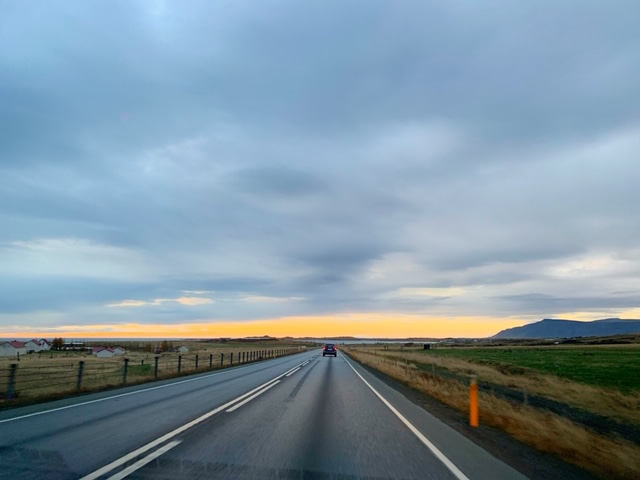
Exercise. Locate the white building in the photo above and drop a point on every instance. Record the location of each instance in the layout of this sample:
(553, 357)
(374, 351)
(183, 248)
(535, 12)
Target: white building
(104, 353)
(107, 352)
(12, 349)
(36, 345)
(182, 349)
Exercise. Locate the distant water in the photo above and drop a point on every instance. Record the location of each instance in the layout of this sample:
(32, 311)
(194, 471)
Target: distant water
(352, 341)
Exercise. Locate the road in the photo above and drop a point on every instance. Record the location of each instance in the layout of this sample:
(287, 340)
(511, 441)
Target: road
(299, 417)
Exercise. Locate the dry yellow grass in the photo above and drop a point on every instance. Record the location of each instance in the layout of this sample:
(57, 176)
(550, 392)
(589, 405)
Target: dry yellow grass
(543, 430)
(45, 376)
(609, 403)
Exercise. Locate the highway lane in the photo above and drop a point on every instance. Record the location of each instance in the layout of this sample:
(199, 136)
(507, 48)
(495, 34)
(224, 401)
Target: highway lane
(303, 416)
(67, 439)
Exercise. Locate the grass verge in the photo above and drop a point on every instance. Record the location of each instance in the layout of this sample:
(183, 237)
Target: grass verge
(606, 367)
(54, 377)
(545, 431)
(613, 403)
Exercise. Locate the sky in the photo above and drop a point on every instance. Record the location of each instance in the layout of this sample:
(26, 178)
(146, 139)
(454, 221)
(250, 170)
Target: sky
(317, 168)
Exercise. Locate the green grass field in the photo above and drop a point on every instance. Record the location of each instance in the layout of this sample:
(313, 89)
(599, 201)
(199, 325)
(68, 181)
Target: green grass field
(600, 366)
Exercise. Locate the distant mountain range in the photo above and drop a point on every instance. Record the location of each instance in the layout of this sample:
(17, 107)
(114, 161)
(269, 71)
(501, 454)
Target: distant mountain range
(556, 328)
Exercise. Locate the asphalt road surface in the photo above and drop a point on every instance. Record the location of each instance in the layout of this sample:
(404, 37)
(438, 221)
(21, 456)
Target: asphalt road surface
(299, 417)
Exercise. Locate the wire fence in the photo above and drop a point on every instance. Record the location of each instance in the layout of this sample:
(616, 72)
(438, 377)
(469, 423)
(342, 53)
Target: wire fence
(49, 381)
(519, 396)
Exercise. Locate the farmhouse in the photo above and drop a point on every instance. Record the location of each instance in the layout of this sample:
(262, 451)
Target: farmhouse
(12, 349)
(107, 352)
(33, 346)
(104, 353)
(182, 349)
(36, 345)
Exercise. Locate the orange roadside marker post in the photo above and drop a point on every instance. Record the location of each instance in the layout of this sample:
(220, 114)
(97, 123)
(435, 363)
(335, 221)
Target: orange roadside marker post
(474, 416)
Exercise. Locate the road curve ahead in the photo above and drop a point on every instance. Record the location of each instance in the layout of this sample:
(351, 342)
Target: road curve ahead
(298, 417)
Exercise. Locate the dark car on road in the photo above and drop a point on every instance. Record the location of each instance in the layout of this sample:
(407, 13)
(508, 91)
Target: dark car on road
(329, 349)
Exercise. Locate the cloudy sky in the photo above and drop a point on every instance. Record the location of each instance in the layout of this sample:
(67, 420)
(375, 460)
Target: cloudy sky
(278, 167)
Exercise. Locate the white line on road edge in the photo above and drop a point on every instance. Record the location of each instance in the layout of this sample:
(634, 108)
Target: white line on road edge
(291, 373)
(127, 394)
(143, 461)
(130, 456)
(439, 455)
(247, 400)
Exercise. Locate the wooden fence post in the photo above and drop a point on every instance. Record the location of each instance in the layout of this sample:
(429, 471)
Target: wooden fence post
(125, 371)
(11, 386)
(80, 374)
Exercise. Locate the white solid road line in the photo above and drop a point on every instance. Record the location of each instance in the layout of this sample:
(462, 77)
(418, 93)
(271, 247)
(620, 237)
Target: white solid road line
(143, 461)
(438, 454)
(126, 394)
(247, 400)
(291, 373)
(145, 448)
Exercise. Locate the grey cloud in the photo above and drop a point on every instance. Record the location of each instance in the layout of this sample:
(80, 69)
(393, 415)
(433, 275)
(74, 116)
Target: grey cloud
(245, 149)
(277, 181)
(60, 294)
(506, 71)
(344, 257)
(534, 302)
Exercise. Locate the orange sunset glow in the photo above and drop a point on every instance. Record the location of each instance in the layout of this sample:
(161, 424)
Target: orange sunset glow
(357, 325)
